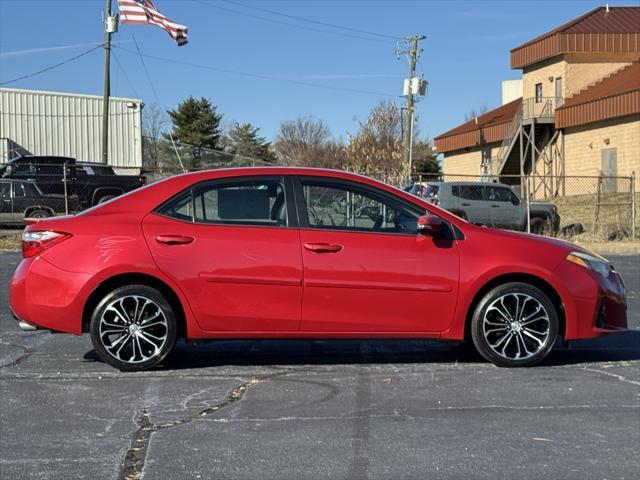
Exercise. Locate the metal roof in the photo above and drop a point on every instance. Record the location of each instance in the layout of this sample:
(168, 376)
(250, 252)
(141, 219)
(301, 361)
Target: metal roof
(613, 29)
(487, 128)
(614, 96)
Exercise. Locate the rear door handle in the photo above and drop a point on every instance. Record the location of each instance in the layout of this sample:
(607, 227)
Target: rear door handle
(323, 247)
(465, 204)
(495, 206)
(174, 239)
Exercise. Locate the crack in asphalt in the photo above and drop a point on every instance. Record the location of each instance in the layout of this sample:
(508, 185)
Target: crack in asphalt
(26, 353)
(135, 458)
(613, 375)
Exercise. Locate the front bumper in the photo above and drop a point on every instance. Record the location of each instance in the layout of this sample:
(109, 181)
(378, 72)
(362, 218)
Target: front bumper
(594, 306)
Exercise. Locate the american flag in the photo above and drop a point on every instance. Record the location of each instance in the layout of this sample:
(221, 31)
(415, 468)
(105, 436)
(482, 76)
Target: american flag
(143, 12)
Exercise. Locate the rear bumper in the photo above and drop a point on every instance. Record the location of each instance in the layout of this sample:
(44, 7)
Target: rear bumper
(24, 326)
(41, 296)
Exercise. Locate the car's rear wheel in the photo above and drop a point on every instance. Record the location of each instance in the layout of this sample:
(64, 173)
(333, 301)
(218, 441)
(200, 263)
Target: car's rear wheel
(514, 325)
(133, 328)
(38, 213)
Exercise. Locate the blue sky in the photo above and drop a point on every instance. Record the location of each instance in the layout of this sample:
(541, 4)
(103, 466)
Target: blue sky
(465, 57)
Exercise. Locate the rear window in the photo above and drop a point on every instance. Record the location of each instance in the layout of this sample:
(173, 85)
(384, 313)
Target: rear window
(468, 192)
(252, 202)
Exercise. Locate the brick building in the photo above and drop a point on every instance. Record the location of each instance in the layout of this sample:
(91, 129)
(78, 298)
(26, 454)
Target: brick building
(579, 113)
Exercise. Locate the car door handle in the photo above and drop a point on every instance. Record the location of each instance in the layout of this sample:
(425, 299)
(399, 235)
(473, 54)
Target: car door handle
(174, 239)
(465, 204)
(323, 247)
(495, 206)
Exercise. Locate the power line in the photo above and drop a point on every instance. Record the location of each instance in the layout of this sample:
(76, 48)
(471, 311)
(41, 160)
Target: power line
(52, 66)
(124, 74)
(280, 22)
(146, 71)
(262, 77)
(310, 20)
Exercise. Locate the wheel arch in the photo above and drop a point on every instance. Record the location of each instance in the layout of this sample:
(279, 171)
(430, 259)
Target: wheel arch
(527, 278)
(120, 280)
(32, 208)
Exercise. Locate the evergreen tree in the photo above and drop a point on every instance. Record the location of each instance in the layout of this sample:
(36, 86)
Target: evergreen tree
(197, 125)
(244, 140)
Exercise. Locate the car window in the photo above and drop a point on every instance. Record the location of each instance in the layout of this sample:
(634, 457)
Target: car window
(18, 189)
(498, 194)
(470, 192)
(31, 190)
(249, 202)
(24, 169)
(5, 190)
(344, 207)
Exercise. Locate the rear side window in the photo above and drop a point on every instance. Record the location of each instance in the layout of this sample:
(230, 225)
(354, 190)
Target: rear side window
(248, 202)
(5, 189)
(470, 192)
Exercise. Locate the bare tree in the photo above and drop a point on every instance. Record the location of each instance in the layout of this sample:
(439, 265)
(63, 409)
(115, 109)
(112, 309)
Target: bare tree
(476, 112)
(307, 141)
(376, 149)
(154, 121)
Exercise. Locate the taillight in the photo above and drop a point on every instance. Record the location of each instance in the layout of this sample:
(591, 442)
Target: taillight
(34, 243)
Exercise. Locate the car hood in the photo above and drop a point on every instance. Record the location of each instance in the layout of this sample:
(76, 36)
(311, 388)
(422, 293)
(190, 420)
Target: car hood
(533, 239)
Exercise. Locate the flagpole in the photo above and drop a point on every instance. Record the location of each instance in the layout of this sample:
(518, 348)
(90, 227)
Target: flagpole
(109, 28)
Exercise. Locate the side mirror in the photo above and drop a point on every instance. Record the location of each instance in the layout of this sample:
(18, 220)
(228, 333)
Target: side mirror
(429, 225)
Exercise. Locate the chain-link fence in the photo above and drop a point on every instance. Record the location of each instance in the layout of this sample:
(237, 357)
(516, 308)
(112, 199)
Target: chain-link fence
(593, 208)
(590, 208)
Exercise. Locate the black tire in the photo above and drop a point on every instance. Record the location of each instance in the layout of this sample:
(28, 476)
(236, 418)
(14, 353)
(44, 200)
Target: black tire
(134, 329)
(516, 331)
(39, 213)
(540, 226)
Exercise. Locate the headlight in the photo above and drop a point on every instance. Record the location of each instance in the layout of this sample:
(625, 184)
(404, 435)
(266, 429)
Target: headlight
(598, 265)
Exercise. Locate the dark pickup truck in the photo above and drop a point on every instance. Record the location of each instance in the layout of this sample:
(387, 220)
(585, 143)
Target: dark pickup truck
(20, 199)
(91, 183)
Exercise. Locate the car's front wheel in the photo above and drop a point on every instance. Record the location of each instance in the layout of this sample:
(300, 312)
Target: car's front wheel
(133, 328)
(514, 325)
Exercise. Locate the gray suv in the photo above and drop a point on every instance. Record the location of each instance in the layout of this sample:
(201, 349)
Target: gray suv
(494, 204)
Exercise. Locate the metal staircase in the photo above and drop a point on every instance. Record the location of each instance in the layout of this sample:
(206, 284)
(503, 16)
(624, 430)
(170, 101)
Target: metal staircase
(532, 147)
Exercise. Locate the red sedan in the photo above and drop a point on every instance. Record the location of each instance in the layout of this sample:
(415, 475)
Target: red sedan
(303, 253)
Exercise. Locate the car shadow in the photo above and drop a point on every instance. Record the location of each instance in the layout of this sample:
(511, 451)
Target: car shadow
(194, 355)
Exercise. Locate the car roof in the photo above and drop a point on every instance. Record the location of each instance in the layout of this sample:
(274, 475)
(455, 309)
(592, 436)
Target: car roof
(148, 197)
(480, 184)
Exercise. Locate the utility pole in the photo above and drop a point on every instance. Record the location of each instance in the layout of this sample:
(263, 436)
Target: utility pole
(414, 54)
(110, 26)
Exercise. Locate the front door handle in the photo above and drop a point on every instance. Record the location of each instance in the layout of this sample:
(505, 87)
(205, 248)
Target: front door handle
(323, 247)
(465, 204)
(174, 239)
(495, 206)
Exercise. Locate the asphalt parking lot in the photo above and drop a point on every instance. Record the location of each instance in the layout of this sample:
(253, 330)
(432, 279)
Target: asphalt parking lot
(309, 410)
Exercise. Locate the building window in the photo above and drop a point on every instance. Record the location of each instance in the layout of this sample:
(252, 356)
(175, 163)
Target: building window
(538, 92)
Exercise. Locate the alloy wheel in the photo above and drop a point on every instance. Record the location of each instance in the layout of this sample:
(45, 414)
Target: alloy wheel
(133, 329)
(516, 326)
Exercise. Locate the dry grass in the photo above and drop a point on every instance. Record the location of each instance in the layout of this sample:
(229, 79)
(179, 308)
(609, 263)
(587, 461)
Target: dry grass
(10, 243)
(614, 215)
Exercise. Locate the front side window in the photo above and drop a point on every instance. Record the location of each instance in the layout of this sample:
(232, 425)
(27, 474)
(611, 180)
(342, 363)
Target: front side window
(345, 207)
(499, 194)
(248, 202)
